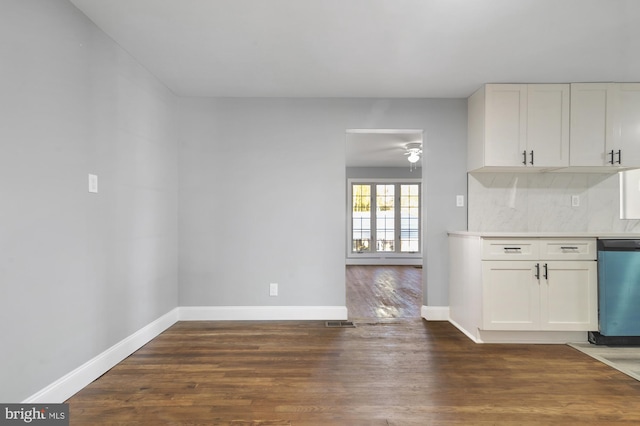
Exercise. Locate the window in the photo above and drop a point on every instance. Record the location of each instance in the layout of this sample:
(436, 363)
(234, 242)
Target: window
(385, 217)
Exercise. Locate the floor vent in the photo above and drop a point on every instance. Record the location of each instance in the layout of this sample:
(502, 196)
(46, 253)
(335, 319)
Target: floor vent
(340, 324)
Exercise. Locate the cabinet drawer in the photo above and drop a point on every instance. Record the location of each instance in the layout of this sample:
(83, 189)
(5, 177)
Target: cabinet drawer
(575, 249)
(494, 249)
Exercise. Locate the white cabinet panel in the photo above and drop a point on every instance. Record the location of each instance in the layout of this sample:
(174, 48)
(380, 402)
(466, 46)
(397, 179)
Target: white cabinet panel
(569, 296)
(510, 296)
(548, 124)
(506, 124)
(509, 249)
(591, 123)
(626, 136)
(578, 249)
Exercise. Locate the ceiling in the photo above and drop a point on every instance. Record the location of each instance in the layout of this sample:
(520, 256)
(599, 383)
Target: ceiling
(371, 48)
(380, 148)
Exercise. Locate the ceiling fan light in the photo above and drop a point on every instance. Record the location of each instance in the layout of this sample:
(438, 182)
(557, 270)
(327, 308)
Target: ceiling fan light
(413, 157)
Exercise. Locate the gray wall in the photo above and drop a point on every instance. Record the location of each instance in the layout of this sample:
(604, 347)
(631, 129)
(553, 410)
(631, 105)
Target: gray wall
(78, 271)
(383, 173)
(262, 195)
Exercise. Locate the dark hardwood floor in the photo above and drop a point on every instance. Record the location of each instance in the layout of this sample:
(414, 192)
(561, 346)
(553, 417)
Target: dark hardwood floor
(386, 371)
(383, 291)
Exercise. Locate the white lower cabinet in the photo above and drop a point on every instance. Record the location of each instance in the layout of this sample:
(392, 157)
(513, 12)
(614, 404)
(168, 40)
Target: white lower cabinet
(539, 293)
(510, 295)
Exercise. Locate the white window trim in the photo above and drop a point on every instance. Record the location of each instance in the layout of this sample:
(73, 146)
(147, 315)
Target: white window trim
(379, 255)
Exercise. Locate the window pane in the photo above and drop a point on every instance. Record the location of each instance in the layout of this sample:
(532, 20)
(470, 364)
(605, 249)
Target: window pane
(361, 218)
(409, 218)
(385, 218)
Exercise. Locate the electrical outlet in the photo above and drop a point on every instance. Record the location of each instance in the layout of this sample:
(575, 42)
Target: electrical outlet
(273, 289)
(575, 201)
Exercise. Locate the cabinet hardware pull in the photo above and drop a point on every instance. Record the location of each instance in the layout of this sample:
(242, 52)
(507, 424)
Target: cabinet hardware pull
(568, 248)
(619, 156)
(546, 272)
(512, 248)
(538, 271)
(531, 162)
(524, 157)
(611, 154)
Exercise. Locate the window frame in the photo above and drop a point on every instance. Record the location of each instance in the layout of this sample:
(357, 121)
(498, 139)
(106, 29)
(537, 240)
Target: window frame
(383, 254)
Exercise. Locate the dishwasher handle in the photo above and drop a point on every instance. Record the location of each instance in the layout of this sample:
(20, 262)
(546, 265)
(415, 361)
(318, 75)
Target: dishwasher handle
(618, 245)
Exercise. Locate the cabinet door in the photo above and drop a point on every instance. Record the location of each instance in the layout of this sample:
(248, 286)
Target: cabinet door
(591, 124)
(510, 295)
(505, 124)
(548, 125)
(626, 132)
(568, 293)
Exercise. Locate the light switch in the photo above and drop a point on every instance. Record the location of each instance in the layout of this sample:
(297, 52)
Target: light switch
(459, 200)
(575, 201)
(273, 289)
(93, 183)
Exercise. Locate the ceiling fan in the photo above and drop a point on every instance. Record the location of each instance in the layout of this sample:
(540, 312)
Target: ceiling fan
(414, 150)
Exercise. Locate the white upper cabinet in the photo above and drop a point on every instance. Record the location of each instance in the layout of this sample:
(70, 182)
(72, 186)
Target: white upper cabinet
(605, 125)
(548, 109)
(591, 123)
(518, 127)
(626, 126)
(506, 124)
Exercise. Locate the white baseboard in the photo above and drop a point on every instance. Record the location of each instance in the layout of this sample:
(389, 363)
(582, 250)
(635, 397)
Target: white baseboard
(466, 332)
(435, 313)
(532, 337)
(262, 313)
(384, 261)
(68, 385)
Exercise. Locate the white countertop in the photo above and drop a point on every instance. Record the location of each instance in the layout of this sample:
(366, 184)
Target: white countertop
(524, 234)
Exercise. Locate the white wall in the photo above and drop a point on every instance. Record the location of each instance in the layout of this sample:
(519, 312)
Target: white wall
(541, 202)
(262, 195)
(78, 271)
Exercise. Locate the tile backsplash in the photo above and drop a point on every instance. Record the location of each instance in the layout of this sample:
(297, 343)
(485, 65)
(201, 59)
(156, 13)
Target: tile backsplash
(541, 202)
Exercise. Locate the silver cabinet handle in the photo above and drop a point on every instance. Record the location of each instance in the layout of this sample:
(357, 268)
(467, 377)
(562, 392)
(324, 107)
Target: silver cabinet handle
(568, 248)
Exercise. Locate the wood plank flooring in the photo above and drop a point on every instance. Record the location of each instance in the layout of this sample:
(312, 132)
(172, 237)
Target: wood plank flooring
(383, 291)
(389, 372)
(393, 368)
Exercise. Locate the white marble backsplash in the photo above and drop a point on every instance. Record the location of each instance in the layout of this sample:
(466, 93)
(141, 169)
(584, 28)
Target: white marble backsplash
(541, 202)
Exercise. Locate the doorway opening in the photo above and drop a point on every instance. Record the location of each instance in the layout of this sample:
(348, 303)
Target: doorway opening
(383, 250)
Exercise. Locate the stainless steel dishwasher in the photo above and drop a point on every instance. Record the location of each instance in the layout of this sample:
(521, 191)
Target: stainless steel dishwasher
(618, 293)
